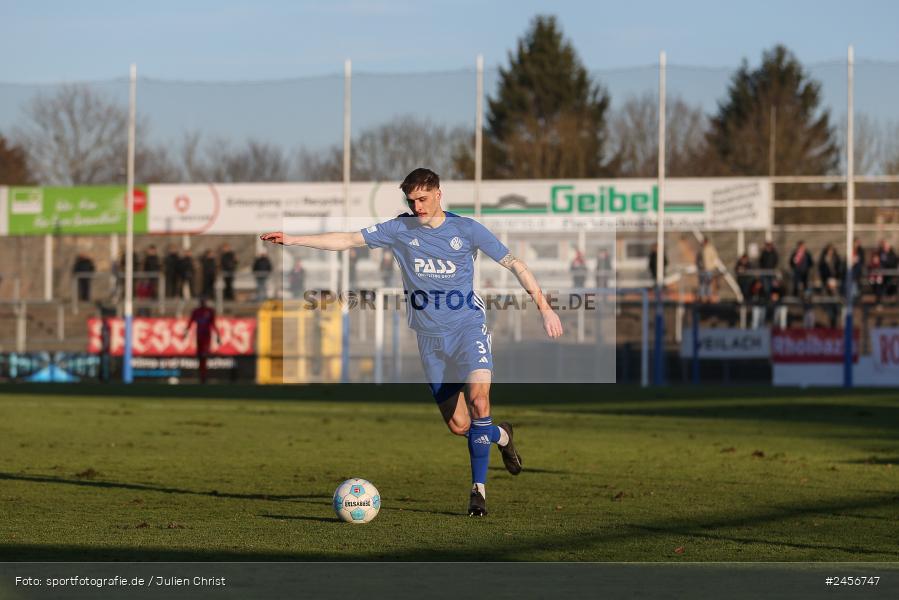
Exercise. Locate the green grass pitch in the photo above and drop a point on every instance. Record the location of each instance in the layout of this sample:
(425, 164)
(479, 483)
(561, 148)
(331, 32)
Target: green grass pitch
(612, 473)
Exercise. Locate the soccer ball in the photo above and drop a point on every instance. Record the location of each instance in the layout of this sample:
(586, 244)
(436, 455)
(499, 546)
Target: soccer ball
(357, 501)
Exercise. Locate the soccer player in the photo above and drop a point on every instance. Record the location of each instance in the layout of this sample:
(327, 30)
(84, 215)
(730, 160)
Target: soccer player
(436, 251)
(204, 318)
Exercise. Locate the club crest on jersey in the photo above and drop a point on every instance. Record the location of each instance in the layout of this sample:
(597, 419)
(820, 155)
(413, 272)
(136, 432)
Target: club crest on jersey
(430, 266)
(456, 243)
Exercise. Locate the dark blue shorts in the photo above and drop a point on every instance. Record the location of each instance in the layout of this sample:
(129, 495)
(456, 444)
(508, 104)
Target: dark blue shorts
(448, 359)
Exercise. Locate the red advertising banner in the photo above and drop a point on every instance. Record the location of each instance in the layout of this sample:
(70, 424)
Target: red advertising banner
(165, 337)
(810, 345)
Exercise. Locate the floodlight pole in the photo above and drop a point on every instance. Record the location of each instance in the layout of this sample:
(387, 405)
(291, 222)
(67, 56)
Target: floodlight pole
(850, 220)
(127, 373)
(659, 370)
(772, 166)
(345, 255)
(478, 151)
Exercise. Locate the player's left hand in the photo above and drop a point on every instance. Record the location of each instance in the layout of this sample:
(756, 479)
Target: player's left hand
(551, 324)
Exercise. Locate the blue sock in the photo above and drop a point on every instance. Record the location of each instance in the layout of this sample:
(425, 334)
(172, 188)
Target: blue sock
(481, 435)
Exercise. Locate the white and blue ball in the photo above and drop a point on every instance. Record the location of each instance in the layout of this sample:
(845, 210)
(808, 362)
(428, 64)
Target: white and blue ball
(357, 501)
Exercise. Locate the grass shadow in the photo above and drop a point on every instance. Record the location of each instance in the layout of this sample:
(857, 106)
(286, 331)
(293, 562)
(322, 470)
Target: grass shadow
(143, 487)
(300, 518)
(850, 414)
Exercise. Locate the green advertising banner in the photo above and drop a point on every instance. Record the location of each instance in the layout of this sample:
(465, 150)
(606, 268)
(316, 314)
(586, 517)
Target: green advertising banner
(73, 210)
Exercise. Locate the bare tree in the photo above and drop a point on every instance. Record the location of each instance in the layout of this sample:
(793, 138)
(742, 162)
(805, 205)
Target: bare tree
(218, 161)
(325, 165)
(192, 163)
(634, 136)
(77, 136)
(389, 151)
(255, 161)
(868, 145)
(891, 149)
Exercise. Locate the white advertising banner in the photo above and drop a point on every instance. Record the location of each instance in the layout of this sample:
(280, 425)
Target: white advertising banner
(865, 373)
(616, 204)
(725, 344)
(514, 205)
(244, 208)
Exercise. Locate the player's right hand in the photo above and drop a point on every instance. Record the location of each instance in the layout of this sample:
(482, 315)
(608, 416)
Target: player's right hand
(552, 325)
(275, 237)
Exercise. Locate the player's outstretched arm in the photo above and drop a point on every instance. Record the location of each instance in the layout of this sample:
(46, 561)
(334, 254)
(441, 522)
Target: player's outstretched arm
(321, 241)
(551, 323)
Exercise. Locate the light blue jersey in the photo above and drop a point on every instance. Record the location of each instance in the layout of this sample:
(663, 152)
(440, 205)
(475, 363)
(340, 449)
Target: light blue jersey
(437, 264)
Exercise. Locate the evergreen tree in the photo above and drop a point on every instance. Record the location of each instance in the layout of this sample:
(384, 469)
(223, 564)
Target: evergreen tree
(548, 118)
(13, 164)
(739, 139)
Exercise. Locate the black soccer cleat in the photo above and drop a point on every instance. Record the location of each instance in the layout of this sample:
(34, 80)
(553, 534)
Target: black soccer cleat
(511, 458)
(477, 505)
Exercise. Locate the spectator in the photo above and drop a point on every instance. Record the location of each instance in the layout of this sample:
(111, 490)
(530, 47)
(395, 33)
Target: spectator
(759, 303)
(388, 272)
(768, 261)
(151, 267)
(707, 266)
(653, 259)
(889, 261)
(875, 277)
(262, 269)
(857, 267)
(830, 269)
(776, 309)
(297, 279)
(107, 313)
(745, 280)
(170, 266)
(228, 263)
(118, 278)
(207, 274)
(143, 293)
(767, 306)
(186, 273)
(603, 273)
(578, 270)
(801, 263)
(82, 270)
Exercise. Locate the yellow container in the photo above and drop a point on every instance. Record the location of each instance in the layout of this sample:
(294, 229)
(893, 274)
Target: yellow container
(298, 344)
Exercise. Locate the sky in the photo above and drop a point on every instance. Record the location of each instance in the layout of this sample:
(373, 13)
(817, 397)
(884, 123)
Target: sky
(277, 64)
(46, 40)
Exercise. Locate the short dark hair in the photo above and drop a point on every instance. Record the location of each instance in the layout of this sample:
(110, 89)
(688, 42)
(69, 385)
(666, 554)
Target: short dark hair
(425, 179)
